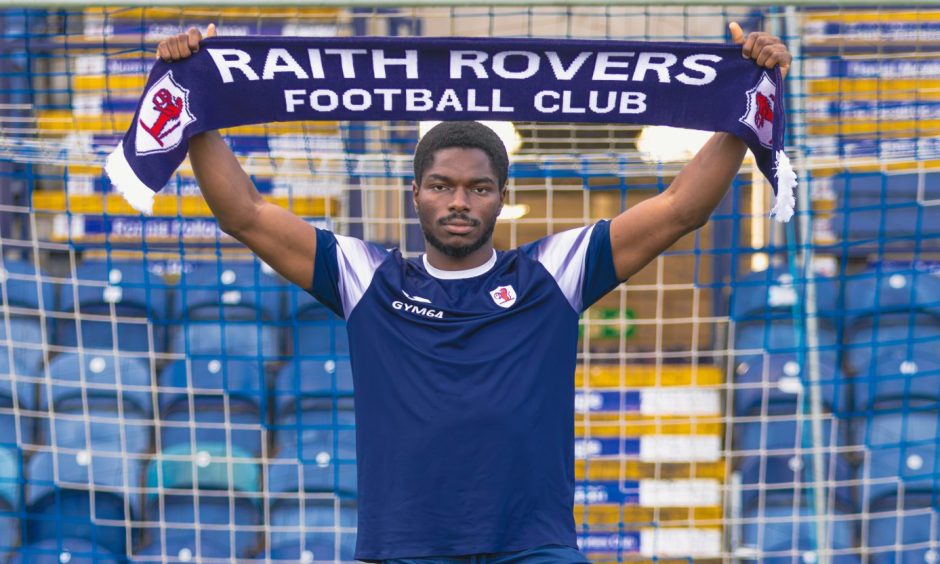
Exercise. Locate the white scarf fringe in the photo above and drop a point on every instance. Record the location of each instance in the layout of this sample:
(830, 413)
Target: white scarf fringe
(786, 186)
(137, 194)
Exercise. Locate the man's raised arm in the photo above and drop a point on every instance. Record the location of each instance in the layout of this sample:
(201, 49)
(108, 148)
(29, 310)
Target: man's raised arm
(281, 239)
(643, 232)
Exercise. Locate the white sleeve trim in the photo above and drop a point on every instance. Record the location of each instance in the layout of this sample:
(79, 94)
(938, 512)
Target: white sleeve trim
(357, 263)
(563, 255)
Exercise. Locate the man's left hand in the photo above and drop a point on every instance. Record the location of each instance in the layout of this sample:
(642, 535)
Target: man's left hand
(767, 50)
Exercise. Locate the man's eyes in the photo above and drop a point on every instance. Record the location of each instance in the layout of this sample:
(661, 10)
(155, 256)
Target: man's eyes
(475, 189)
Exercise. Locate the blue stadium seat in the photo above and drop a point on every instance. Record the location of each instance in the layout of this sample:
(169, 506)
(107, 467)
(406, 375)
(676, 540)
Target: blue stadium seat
(26, 340)
(27, 293)
(244, 339)
(316, 447)
(314, 329)
(223, 531)
(779, 533)
(916, 517)
(74, 375)
(24, 286)
(890, 334)
(241, 290)
(70, 495)
(878, 207)
(71, 550)
(904, 224)
(22, 378)
(97, 403)
(214, 401)
(314, 428)
(11, 477)
(891, 289)
(897, 376)
(775, 450)
(901, 450)
(181, 547)
(128, 289)
(313, 377)
(760, 380)
(180, 479)
(786, 338)
(312, 529)
(231, 308)
(774, 293)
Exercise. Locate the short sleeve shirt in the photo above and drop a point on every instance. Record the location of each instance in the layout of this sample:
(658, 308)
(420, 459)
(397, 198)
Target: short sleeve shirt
(464, 390)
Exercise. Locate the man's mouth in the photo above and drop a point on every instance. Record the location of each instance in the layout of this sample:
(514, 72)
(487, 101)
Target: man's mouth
(458, 228)
(457, 225)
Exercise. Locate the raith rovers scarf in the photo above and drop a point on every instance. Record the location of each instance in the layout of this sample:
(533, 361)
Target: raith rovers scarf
(240, 81)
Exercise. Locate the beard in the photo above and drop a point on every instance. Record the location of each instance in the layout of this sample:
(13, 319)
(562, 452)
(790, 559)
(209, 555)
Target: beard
(456, 251)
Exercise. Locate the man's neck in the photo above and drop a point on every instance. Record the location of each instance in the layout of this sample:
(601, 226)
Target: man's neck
(441, 261)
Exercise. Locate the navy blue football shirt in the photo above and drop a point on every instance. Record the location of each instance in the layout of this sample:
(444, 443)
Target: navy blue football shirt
(464, 390)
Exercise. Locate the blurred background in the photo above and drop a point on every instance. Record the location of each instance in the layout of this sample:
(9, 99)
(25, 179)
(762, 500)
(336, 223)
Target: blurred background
(761, 392)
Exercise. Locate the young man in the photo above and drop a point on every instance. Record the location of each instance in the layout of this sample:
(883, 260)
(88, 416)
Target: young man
(463, 360)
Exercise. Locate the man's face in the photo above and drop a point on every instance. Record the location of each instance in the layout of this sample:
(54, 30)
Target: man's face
(458, 200)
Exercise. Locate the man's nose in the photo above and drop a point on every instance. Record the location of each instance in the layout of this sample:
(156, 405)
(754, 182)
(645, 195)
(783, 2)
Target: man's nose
(459, 202)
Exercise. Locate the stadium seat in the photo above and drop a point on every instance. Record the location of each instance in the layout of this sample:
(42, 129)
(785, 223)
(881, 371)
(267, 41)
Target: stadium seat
(898, 221)
(71, 550)
(890, 334)
(26, 293)
(73, 495)
(785, 338)
(898, 377)
(313, 328)
(181, 547)
(775, 451)
(76, 375)
(103, 289)
(26, 340)
(312, 377)
(916, 517)
(760, 380)
(882, 207)
(781, 533)
(179, 480)
(231, 308)
(316, 448)
(11, 476)
(18, 376)
(901, 450)
(892, 290)
(214, 402)
(97, 404)
(312, 529)
(314, 429)
(223, 531)
(773, 294)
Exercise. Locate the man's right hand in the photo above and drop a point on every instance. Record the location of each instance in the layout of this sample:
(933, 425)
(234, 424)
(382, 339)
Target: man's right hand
(182, 45)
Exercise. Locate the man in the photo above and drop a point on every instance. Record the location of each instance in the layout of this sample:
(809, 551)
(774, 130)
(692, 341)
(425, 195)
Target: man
(463, 360)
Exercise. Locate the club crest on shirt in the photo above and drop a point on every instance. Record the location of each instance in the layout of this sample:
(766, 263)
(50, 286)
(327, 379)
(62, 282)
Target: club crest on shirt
(164, 114)
(760, 109)
(504, 296)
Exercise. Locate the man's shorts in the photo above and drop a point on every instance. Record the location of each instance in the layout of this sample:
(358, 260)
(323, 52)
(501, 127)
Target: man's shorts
(550, 554)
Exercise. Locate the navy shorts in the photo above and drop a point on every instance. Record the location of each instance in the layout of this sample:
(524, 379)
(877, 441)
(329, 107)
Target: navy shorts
(550, 554)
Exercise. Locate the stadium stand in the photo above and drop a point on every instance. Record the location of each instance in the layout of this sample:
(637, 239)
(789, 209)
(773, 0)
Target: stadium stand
(228, 308)
(118, 305)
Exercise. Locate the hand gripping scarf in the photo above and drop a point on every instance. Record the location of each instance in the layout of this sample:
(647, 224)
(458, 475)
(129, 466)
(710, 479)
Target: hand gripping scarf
(241, 81)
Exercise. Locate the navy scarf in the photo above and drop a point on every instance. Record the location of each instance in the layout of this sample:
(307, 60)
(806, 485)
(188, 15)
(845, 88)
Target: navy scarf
(233, 81)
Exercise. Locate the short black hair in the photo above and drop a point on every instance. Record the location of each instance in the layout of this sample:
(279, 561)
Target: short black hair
(464, 135)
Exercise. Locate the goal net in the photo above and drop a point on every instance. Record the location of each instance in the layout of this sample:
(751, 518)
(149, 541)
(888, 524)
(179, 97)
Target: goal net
(760, 392)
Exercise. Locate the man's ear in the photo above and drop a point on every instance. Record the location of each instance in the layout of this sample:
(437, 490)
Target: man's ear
(414, 193)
